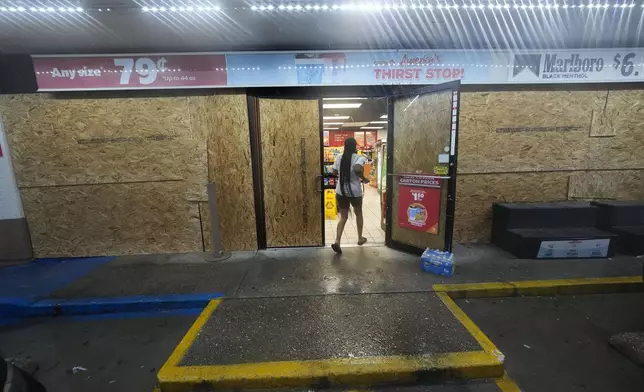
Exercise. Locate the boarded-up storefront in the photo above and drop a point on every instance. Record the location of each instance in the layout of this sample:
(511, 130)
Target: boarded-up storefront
(128, 175)
(123, 175)
(546, 146)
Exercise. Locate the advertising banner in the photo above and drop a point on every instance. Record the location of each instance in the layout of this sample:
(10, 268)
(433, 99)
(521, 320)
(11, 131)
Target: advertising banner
(419, 202)
(10, 204)
(130, 72)
(337, 138)
(333, 68)
(582, 66)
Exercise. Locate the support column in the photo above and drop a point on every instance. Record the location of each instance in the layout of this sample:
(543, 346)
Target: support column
(15, 240)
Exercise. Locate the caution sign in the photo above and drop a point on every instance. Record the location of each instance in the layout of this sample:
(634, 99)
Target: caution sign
(330, 206)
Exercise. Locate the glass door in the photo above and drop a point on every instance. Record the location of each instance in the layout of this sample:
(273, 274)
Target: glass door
(421, 168)
(290, 154)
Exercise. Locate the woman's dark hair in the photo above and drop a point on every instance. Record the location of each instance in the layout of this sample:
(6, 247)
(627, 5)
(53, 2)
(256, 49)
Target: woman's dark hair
(350, 148)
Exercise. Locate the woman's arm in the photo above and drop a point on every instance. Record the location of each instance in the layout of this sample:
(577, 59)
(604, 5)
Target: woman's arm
(359, 170)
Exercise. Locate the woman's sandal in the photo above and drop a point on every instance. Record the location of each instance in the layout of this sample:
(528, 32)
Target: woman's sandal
(336, 248)
(362, 241)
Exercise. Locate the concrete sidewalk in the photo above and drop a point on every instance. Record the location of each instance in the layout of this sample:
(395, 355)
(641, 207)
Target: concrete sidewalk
(319, 271)
(178, 281)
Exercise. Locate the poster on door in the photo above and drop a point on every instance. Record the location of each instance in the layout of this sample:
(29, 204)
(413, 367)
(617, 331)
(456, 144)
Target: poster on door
(419, 202)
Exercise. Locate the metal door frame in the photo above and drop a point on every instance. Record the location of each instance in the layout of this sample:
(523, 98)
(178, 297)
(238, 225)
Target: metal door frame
(453, 86)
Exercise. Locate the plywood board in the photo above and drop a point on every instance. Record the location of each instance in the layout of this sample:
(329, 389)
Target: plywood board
(422, 128)
(510, 131)
(223, 120)
(111, 140)
(112, 219)
(475, 194)
(620, 185)
(602, 125)
(290, 139)
(623, 117)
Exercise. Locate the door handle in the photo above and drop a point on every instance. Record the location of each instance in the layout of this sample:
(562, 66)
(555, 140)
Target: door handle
(319, 181)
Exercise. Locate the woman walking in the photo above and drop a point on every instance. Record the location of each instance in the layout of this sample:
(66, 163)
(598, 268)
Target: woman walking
(350, 168)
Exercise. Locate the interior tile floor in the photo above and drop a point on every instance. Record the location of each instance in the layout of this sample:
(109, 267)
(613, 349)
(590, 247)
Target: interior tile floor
(371, 229)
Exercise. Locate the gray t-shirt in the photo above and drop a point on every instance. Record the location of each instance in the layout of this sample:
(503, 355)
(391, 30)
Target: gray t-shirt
(354, 181)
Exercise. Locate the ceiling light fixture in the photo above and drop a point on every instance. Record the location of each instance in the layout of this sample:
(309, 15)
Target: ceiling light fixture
(383, 116)
(336, 117)
(342, 99)
(372, 127)
(379, 122)
(330, 129)
(341, 105)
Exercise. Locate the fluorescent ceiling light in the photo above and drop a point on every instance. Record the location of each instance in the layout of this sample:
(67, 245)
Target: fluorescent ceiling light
(330, 128)
(341, 105)
(336, 117)
(383, 116)
(355, 124)
(333, 123)
(343, 99)
(372, 127)
(379, 122)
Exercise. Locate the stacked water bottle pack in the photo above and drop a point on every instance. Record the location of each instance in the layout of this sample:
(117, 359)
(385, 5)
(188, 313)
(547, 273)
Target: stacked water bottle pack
(437, 262)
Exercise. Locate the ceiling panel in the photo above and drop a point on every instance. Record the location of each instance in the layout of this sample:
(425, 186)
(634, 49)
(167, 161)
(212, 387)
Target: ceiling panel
(125, 28)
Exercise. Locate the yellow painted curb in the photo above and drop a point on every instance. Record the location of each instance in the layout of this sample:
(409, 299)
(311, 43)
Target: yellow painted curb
(186, 342)
(362, 371)
(471, 327)
(624, 284)
(476, 290)
(335, 372)
(506, 384)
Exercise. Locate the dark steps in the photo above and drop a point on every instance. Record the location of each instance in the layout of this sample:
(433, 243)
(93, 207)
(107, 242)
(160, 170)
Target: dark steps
(551, 230)
(625, 218)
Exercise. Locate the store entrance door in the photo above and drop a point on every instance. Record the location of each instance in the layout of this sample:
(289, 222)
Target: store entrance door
(290, 155)
(421, 168)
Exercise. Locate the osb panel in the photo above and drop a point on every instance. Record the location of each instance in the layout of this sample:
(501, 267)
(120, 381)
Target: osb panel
(422, 128)
(223, 120)
(91, 141)
(475, 194)
(602, 125)
(204, 213)
(111, 219)
(623, 118)
(541, 130)
(625, 185)
(229, 242)
(290, 134)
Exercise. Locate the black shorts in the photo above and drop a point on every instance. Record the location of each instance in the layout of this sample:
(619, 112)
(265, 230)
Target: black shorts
(344, 201)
